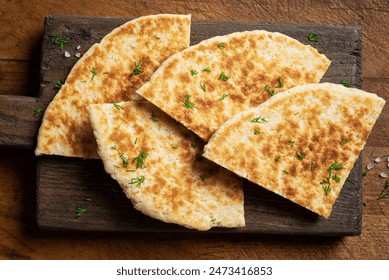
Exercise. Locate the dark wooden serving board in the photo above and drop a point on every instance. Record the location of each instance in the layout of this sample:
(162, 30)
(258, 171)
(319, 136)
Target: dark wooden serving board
(65, 183)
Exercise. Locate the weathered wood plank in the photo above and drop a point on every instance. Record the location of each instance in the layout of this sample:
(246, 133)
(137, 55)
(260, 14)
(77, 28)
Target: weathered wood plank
(64, 183)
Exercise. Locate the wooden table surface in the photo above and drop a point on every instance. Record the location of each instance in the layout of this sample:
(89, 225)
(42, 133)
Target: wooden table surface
(21, 29)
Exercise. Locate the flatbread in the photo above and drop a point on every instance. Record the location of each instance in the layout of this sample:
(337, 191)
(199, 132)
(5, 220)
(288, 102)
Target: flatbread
(107, 72)
(158, 163)
(206, 84)
(292, 143)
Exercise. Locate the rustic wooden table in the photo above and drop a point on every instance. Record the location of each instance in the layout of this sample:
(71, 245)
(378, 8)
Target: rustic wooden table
(21, 29)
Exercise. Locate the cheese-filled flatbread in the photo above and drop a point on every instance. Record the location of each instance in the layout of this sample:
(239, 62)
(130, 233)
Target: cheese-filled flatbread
(206, 84)
(158, 163)
(301, 144)
(109, 71)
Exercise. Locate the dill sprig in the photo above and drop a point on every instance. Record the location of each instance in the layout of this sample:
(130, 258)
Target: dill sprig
(94, 73)
(137, 181)
(193, 72)
(124, 159)
(138, 69)
(259, 119)
(117, 106)
(223, 76)
(187, 103)
(140, 160)
(61, 42)
(58, 84)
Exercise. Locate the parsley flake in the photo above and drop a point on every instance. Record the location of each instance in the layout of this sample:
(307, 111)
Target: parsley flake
(220, 45)
(312, 37)
(137, 181)
(206, 69)
(58, 84)
(138, 69)
(223, 97)
(203, 177)
(280, 84)
(259, 119)
(80, 210)
(117, 106)
(140, 160)
(187, 103)
(203, 87)
(345, 83)
(223, 76)
(193, 72)
(37, 112)
(94, 73)
(61, 42)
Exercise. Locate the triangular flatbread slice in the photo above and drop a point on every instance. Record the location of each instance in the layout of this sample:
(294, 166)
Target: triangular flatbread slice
(206, 84)
(110, 71)
(158, 163)
(301, 144)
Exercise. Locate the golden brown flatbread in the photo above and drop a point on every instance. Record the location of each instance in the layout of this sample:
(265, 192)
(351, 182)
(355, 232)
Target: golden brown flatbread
(110, 71)
(158, 164)
(206, 84)
(301, 144)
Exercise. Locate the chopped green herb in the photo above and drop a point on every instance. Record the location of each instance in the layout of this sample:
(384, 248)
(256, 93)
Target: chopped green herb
(213, 220)
(203, 87)
(113, 147)
(61, 42)
(291, 143)
(285, 172)
(117, 106)
(136, 140)
(223, 76)
(193, 145)
(175, 147)
(300, 155)
(336, 166)
(336, 178)
(89, 199)
(124, 159)
(138, 69)
(345, 140)
(349, 180)
(58, 84)
(266, 88)
(385, 192)
(193, 72)
(259, 119)
(37, 112)
(137, 181)
(94, 73)
(187, 103)
(277, 159)
(280, 84)
(203, 177)
(256, 132)
(153, 117)
(220, 45)
(364, 173)
(326, 189)
(312, 37)
(105, 73)
(140, 160)
(313, 165)
(131, 170)
(79, 211)
(206, 69)
(345, 83)
(223, 97)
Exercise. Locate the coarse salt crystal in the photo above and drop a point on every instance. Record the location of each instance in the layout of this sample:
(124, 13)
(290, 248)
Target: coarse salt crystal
(78, 47)
(369, 166)
(77, 55)
(67, 54)
(377, 159)
(383, 175)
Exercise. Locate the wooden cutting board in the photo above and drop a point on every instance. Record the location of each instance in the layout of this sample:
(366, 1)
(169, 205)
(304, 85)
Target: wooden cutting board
(65, 183)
